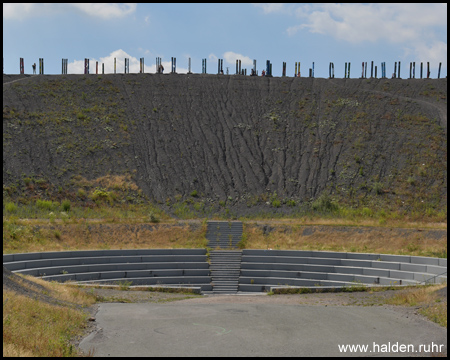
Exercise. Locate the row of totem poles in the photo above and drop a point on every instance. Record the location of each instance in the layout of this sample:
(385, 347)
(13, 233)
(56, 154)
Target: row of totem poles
(239, 71)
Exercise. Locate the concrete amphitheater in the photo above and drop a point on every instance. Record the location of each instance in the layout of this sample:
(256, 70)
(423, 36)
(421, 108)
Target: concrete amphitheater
(226, 270)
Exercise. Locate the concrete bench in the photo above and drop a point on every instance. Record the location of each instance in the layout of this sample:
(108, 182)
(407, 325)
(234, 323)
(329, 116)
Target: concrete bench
(177, 267)
(112, 267)
(266, 267)
(61, 262)
(259, 269)
(99, 253)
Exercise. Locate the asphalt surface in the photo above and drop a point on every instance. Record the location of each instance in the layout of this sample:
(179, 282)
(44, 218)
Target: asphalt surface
(185, 328)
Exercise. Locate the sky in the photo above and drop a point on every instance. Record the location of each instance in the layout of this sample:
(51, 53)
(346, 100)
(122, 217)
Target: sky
(305, 33)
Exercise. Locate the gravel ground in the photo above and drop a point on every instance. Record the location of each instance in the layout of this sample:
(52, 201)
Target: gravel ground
(336, 299)
(134, 296)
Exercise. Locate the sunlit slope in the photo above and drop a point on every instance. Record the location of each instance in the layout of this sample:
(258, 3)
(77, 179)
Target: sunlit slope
(236, 139)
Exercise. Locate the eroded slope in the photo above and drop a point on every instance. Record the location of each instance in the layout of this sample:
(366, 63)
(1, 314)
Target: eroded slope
(240, 140)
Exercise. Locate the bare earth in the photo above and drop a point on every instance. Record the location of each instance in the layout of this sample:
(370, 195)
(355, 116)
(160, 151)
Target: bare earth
(319, 299)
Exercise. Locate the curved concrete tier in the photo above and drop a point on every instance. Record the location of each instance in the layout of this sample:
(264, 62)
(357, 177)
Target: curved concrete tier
(262, 270)
(257, 270)
(164, 267)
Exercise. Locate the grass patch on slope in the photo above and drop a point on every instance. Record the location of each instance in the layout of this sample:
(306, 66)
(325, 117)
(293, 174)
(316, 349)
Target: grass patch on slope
(32, 327)
(431, 304)
(294, 237)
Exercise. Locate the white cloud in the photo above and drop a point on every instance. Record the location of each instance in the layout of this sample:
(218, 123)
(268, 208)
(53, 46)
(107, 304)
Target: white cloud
(302, 11)
(212, 58)
(417, 28)
(105, 11)
(101, 10)
(23, 10)
(291, 31)
(434, 53)
(356, 23)
(270, 7)
(77, 66)
(231, 57)
(167, 68)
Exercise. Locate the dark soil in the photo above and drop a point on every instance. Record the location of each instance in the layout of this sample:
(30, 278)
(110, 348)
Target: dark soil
(238, 143)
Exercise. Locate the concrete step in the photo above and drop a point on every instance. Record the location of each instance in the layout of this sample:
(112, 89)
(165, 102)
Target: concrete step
(225, 290)
(225, 265)
(217, 280)
(223, 273)
(223, 232)
(226, 252)
(235, 274)
(224, 279)
(227, 236)
(225, 287)
(225, 255)
(221, 260)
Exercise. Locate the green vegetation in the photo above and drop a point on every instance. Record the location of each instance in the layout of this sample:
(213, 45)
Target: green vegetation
(324, 204)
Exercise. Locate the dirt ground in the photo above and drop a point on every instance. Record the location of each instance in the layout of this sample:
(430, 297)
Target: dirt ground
(320, 299)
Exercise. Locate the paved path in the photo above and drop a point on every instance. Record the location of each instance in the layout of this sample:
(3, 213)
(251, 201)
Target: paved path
(24, 78)
(253, 329)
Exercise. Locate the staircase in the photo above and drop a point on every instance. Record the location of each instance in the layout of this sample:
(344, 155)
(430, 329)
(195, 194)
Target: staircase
(224, 234)
(225, 262)
(225, 268)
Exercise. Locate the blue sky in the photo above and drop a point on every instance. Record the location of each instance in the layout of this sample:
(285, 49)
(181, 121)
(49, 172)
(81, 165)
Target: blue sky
(306, 33)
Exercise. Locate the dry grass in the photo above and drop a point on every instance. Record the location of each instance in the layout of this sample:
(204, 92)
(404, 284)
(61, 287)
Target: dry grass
(368, 241)
(35, 328)
(13, 350)
(436, 313)
(122, 182)
(63, 292)
(361, 222)
(433, 306)
(101, 235)
(32, 327)
(288, 235)
(416, 296)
